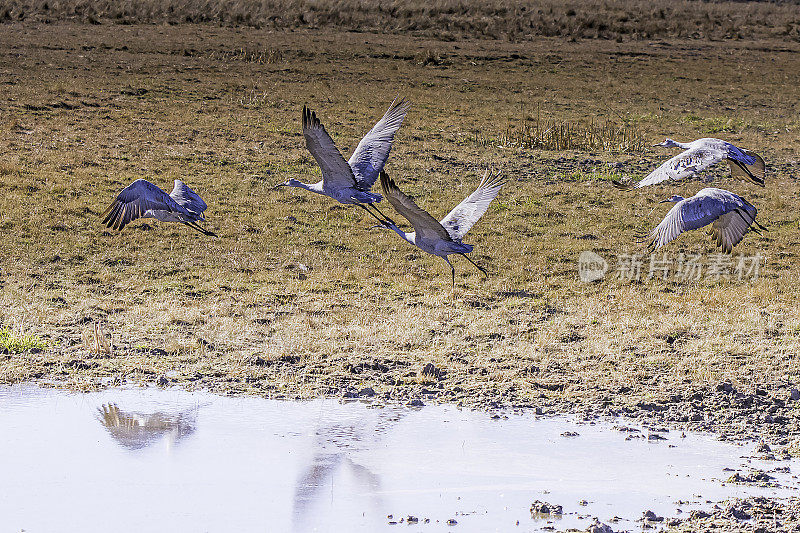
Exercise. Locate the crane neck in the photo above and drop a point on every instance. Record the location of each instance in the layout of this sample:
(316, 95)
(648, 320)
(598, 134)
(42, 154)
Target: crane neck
(313, 187)
(409, 237)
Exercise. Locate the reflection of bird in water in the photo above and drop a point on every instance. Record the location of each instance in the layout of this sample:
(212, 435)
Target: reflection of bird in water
(134, 430)
(334, 448)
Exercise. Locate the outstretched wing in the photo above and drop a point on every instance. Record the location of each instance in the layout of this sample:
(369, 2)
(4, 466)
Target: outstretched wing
(373, 150)
(729, 229)
(683, 165)
(336, 172)
(136, 199)
(424, 224)
(187, 198)
(749, 167)
(464, 215)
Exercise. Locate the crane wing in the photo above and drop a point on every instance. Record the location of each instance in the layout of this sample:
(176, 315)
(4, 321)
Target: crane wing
(750, 167)
(683, 165)
(669, 228)
(688, 214)
(424, 224)
(136, 199)
(187, 198)
(336, 172)
(729, 229)
(459, 221)
(373, 150)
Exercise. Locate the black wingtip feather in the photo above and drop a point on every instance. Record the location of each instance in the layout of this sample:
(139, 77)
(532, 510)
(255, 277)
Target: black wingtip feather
(112, 213)
(386, 182)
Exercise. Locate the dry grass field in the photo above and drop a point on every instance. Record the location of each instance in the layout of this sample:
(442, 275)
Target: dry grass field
(299, 297)
(447, 20)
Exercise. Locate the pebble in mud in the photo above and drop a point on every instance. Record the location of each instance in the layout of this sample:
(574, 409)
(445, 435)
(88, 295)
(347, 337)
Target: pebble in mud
(737, 513)
(650, 516)
(366, 392)
(755, 477)
(599, 527)
(539, 508)
(430, 371)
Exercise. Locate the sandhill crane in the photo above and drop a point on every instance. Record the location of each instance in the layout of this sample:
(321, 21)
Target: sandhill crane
(442, 238)
(700, 155)
(142, 199)
(349, 182)
(730, 217)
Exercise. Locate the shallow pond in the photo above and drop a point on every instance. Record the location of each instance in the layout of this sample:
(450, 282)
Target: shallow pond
(166, 460)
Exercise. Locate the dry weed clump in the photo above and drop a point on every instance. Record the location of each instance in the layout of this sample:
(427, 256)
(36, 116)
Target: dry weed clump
(96, 341)
(444, 19)
(538, 133)
(266, 56)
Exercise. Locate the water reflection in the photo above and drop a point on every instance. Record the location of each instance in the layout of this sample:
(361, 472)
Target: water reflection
(135, 430)
(255, 465)
(336, 444)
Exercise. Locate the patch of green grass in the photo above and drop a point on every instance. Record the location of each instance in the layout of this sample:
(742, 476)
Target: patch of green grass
(716, 124)
(14, 341)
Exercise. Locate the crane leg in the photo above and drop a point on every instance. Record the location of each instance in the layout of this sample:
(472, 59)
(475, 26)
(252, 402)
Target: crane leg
(375, 207)
(756, 226)
(382, 221)
(194, 225)
(452, 270)
(465, 256)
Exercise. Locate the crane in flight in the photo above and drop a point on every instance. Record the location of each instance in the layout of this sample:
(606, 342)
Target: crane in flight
(142, 199)
(442, 238)
(730, 216)
(349, 182)
(699, 155)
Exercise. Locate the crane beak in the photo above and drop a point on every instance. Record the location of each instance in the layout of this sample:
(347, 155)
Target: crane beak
(275, 188)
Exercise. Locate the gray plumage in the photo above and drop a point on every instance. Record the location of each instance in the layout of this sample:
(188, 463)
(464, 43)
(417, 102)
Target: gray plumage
(442, 238)
(142, 199)
(699, 155)
(349, 182)
(730, 216)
